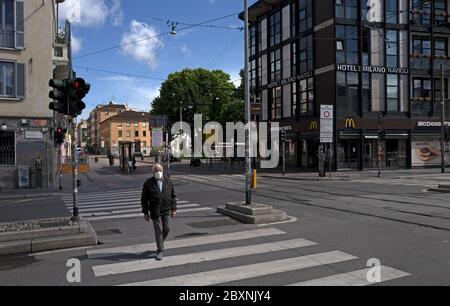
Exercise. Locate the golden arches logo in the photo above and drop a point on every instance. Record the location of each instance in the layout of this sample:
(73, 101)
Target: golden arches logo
(350, 123)
(313, 126)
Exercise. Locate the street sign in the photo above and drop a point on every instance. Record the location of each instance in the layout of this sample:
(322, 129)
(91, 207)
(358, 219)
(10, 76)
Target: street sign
(157, 137)
(326, 123)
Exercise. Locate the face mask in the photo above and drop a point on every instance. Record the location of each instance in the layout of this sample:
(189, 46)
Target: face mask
(159, 175)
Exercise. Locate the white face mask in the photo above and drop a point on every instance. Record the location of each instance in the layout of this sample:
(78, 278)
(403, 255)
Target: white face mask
(159, 175)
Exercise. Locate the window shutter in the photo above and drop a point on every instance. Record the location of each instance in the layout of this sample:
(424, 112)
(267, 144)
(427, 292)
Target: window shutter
(20, 25)
(20, 81)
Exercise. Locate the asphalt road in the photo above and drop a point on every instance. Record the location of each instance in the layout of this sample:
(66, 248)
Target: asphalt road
(336, 228)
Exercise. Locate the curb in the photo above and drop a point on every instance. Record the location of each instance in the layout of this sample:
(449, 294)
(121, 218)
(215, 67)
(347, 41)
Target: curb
(307, 178)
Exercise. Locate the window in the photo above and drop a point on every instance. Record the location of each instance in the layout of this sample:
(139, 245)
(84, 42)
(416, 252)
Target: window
(392, 13)
(252, 33)
(347, 9)
(421, 47)
(365, 45)
(136, 124)
(275, 29)
(306, 54)
(253, 74)
(346, 44)
(259, 76)
(128, 124)
(7, 149)
(144, 133)
(120, 134)
(440, 11)
(144, 124)
(440, 46)
(422, 12)
(136, 133)
(293, 20)
(422, 88)
(294, 99)
(307, 96)
(275, 65)
(144, 144)
(293, 59)
(7, 26)
(347, 92)
(12, 80)
(392, 48)
(7, 79)
(366, 92)
(305, 15)
(276, 103)
(128, 134)
(392, 93)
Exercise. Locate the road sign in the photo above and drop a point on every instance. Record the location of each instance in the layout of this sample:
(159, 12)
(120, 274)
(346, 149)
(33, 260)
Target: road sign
(326, 123)
(157, 137)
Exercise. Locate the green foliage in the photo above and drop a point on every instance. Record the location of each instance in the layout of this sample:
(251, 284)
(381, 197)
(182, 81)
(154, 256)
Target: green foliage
(199, 91)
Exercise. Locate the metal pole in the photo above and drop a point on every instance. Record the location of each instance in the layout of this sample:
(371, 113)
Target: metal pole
(378, 144)
(168, 153)
(442, 120)
(75, 170)
(283, 148)
(248, 181)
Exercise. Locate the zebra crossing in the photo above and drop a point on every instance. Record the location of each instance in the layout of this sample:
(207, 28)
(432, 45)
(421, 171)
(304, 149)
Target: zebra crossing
(273, 244)
(118, 204)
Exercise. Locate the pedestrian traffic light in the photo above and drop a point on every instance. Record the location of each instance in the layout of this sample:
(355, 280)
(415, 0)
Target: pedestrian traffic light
(59, 96)
(78, 89)
(60, 135)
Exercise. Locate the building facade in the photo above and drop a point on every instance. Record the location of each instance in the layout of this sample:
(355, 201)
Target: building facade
(127, 126)
(96, 117)
(83, 134)
(27, 34)
(378, 67)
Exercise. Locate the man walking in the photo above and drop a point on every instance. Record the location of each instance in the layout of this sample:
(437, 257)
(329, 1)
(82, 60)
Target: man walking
(158, 203)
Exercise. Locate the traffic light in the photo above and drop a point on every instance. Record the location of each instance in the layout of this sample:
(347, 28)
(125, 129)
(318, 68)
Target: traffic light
(60, 136)
(382, 135)
(283, 136)
(59, 96)
(78, 89)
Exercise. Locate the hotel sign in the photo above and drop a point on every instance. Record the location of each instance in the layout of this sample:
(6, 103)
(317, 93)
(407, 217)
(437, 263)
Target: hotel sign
(372, 69)
(290, 80)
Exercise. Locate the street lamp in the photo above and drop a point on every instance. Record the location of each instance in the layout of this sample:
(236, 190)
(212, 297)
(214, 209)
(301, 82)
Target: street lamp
(4, 127)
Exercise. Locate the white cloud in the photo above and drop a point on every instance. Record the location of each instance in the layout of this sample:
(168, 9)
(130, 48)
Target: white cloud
(76, 44)
(91, 13)
(117, 78)
(186, 51)
(144, 50)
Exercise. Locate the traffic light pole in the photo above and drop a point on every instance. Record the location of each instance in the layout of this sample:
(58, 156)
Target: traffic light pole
(442, 119)
(75, 216)
(248, 166)
(378, 144)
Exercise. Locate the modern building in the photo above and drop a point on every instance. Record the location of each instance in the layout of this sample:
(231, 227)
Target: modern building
(28, 31)
(127, 126)
(378, 67)
(96, 117)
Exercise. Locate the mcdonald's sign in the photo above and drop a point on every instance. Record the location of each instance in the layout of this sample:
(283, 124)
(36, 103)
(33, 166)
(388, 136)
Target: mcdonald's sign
(313, 126)
(350, 123)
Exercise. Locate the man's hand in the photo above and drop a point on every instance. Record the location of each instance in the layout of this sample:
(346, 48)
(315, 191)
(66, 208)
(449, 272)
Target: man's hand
(147, 218)
(173, 214)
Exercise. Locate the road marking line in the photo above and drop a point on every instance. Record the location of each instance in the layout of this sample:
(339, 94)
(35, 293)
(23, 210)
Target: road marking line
(141, 215)
(177, 260)
(188, 242)
(118, 208)
(354, 278)
(289, 220)
(226, 275)
(114, 203)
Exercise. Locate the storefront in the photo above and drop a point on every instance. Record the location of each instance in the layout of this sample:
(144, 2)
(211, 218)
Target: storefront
(426, 144)
(309, 151)
(359, 150)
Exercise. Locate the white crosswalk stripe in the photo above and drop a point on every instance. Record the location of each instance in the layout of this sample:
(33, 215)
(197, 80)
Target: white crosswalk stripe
(119, 204)
(271, 244)
(354, 278)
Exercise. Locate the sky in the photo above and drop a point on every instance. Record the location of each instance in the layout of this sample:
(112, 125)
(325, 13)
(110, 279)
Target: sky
(104, 24)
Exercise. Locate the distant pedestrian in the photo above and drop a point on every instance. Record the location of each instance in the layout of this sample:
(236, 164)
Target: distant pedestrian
(159, 204)
(134, 163)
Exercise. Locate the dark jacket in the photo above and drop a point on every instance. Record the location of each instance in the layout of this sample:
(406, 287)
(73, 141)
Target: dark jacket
(156, 203)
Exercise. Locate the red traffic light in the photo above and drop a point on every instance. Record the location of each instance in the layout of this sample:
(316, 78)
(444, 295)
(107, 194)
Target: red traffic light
(59, 130)
(78, 83)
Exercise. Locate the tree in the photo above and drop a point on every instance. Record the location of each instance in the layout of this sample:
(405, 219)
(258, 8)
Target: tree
(197, 91)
